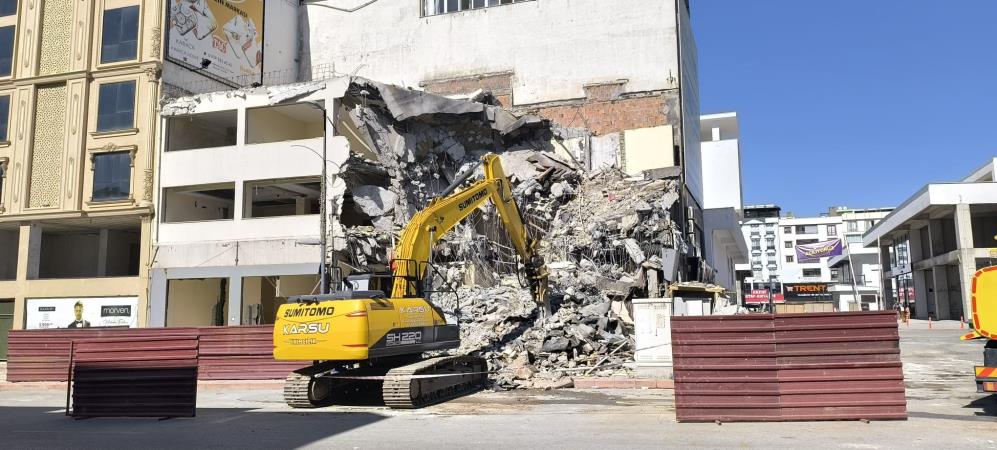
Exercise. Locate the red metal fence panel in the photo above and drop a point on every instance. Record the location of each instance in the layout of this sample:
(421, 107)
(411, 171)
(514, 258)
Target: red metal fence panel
(226, 353)
(135, 376)
(821, 366)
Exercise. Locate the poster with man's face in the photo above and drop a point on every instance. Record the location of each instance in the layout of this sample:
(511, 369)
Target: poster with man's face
(81, 312)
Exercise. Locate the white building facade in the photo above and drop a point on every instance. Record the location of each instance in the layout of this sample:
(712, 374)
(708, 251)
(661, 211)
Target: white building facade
(238, 203)
(626, 99)
(934, 242)
(725, 244)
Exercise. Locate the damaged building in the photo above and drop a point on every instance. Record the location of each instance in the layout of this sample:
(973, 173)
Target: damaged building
(240, 186)
(627, 100)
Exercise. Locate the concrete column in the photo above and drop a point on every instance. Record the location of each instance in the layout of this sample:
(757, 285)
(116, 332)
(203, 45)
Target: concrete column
(915, 246)
(102, 254)
(29, 252)
(920, 295)
(967, 261)
(941, 294)
(158, 290)
(235, 300)
(936, 238)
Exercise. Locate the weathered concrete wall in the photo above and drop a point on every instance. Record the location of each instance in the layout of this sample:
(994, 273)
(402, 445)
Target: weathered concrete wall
(553, 48)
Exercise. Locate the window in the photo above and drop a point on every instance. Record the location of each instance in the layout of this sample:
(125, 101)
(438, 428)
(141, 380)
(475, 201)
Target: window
(834, 274)
(119, 39)
(112, 176)
(856, 239)
(434, 7)
(8, 8)
(789, 244)
(4, 117)
(282, 198)
(755, 226)
(806, 241)
(787, 230)
(6, 50)
(811, 272)
(853, 226)
(832, 230)
(198, 203)
(806, 229)
(116, 106)
(789, 258)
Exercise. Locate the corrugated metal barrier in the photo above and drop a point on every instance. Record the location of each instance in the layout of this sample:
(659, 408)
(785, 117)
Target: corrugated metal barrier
(226, 353)
(821, 366)
(134, 377)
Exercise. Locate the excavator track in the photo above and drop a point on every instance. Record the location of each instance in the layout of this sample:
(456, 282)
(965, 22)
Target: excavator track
(306, 391)
(405, 389)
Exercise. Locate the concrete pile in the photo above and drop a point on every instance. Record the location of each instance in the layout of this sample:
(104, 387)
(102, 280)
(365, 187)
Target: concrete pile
(605, 237)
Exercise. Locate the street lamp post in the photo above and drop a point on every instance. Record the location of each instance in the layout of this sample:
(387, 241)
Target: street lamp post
(771, 300)
(323, 207)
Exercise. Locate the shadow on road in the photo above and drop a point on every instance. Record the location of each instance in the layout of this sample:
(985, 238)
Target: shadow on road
(987, 406)
(212, 428)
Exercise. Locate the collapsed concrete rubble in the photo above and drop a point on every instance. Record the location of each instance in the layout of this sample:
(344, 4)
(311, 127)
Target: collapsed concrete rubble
(606, 238)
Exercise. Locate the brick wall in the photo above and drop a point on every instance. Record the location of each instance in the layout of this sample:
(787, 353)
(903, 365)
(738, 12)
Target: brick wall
(613, 116)
(605, 109)
(499, 84)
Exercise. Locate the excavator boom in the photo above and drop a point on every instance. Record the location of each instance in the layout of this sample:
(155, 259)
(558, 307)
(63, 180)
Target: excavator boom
(430, 225)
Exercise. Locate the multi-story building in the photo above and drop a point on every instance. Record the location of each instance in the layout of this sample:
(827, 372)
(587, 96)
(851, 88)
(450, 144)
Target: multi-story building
(78, 88)
(722, 199)
(760, 228)
(855, 274)
(933, 243)
(626, 99)
(793, 231)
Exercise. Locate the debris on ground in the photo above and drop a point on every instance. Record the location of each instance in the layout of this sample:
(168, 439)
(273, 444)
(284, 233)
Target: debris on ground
(606, 237)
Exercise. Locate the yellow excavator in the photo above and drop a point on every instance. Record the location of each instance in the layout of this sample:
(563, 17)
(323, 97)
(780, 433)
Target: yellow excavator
(362, 336)
(984, 314)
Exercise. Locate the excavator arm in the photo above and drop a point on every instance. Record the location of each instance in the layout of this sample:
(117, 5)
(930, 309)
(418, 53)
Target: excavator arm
(428, 226)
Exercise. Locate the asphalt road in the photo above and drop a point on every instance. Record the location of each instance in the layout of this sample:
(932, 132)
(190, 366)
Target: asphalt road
(944, 409)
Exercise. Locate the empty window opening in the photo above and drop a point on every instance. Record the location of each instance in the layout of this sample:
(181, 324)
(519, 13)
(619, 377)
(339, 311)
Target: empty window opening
(89, 253)
(261, 296)
(806, 229)
(215, 129)
(9, 242)
(283, 123)
(197, 302)
(199, 203)
(811, 272)
(282, 198)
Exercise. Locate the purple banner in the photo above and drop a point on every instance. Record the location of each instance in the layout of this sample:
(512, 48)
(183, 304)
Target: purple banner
(816, 251)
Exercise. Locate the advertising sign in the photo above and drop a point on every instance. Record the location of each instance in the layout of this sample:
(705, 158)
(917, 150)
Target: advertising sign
(814, 252)
(762, 296)
(84, 312)
(223, 38)
(807, 291)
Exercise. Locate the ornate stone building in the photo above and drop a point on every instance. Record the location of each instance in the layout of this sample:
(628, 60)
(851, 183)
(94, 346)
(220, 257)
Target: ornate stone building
(79, 85)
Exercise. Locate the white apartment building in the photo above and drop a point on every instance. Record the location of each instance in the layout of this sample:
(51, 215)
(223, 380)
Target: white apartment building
(793, 231)
(856, 273)
(760, 229)
(726, 246)
(238, 202)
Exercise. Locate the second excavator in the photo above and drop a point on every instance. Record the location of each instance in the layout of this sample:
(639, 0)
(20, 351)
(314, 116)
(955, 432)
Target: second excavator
(378, 334)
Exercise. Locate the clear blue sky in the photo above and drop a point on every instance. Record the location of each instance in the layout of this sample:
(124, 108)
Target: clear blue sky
(851, 102)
